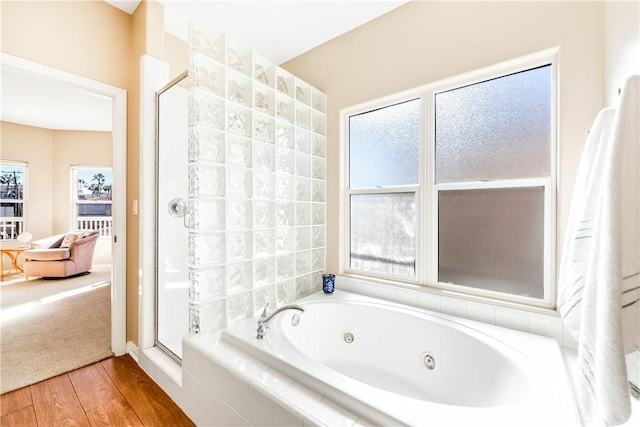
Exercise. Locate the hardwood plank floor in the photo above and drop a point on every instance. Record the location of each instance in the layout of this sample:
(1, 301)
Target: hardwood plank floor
(113, 392)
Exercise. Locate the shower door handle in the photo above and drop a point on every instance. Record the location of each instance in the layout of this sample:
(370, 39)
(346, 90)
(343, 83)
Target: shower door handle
(179, 208)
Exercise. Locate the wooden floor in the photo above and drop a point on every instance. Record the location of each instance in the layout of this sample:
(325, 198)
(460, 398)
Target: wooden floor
(113, 392)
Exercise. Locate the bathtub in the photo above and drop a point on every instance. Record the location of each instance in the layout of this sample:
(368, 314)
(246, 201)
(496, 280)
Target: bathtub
(396, 365)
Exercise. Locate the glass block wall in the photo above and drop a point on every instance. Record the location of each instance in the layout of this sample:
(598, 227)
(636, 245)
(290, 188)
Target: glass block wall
(256, 183)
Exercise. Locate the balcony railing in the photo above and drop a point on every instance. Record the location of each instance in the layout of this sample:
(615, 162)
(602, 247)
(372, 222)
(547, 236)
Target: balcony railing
(101, 223)
(10, 227)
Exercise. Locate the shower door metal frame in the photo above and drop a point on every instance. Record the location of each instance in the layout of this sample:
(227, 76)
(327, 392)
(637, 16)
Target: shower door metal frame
(168, 86)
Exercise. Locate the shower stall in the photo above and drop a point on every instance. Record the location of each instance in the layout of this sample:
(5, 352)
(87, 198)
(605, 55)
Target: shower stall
(240, 190)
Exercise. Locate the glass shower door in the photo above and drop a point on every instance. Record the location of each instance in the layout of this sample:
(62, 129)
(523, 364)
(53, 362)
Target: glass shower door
(172, 273)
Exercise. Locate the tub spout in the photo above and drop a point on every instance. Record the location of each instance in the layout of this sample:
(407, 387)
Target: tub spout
(265, 318)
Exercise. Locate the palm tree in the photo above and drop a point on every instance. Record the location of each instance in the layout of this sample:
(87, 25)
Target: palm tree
(96, 189)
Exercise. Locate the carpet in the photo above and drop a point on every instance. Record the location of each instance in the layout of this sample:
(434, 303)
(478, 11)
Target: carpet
(49, 327)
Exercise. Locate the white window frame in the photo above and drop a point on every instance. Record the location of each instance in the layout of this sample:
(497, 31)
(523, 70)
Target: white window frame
(427, 191)
(25, 195)
(74, 201)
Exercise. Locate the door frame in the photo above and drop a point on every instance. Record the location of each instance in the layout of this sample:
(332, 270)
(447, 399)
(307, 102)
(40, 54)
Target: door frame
(118, 98)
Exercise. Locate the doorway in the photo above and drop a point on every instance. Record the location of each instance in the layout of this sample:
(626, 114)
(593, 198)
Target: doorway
(117, 96)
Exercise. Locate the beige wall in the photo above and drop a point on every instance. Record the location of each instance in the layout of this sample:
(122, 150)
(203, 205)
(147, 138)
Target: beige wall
(422, 42)
(34, 146)
(50, 155)
(74, 148)
(621, 21)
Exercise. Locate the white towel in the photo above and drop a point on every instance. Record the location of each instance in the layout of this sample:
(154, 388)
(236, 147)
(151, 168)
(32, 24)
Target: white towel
(598, 287)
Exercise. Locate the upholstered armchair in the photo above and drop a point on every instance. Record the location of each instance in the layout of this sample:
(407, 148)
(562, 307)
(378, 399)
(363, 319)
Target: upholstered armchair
(62, 255)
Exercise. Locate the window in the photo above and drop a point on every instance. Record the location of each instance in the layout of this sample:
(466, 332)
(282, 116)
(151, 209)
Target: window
(13, 179)
(91, 198)
(453, 186)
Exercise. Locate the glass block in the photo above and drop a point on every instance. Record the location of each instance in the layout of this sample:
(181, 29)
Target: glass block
(284, 214)
(284, 186)
(383, 233)
(207, 318)
(317, 191)
(206, 144)
(302, 236)
(239, 214)
(317, 100)
(194, 320)
(285, 108)
(303, 263)
(239, 151)
(239, 58)
(303, 286)
(317, 213)
(206, 180)
(285, 292)
(303, 116)
(384, 146)
(239, 120)
(264, 185)
(316, 281)
(240, 277)
(492, 239)
(206, 215)
(317, 168)
(303, 92)
(262, 296)
(303, 165)
(263, 156)
(284, 267)
(303, 140)
(264, 243)
(264, 272)
(239, 245)
(264, 70)
(318, 123)
(285, 160)
(496, 129)
(263, 214)
(206, 250)
(264, 99)
(239, 307)
(209, 43)
(239, 180)
(207, 284)
(302, 213)
(206, 110)
(264, 127)
(317, 236)
(206, 74)
(284, 135)
(239, 89)
(317, 259)
(284, 241)
(318, 145)
(303, 189)
(284, 82)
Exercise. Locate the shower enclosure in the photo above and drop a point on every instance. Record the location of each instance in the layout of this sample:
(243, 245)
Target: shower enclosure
(240, 190)
(172, 274)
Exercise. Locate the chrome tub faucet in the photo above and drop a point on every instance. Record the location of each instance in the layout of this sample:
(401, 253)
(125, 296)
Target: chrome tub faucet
(265, 317)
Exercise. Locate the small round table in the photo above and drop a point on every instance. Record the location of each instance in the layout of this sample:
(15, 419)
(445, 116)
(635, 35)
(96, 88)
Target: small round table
(13, 254)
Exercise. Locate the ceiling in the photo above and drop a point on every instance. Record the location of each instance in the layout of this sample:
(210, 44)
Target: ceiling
(277, 29)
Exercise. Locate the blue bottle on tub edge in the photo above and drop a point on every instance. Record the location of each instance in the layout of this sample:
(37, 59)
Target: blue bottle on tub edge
(328, 283)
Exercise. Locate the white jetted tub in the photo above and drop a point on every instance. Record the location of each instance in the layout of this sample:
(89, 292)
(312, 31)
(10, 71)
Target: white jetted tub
(397, 365)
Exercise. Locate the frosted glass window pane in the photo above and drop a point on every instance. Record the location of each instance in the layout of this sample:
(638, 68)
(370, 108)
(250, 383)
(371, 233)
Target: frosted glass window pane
(383, 233)
(492, 239)
(384, 146)
(496, 129)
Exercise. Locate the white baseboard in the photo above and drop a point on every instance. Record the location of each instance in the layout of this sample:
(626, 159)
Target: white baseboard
(132, 350)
